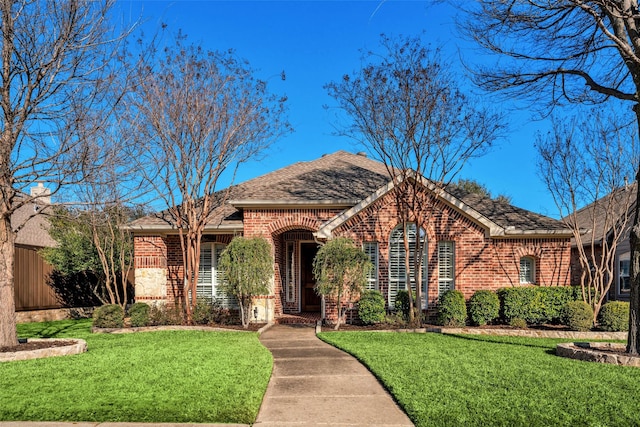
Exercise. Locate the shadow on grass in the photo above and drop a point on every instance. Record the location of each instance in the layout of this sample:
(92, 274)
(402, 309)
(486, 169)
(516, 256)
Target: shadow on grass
(500, 340)
(54, 329)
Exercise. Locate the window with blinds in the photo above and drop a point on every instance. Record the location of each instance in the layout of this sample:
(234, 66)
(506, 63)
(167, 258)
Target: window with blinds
(527, 270)
(446, 266)
(209, 276)
(371, 249)
(397, 269)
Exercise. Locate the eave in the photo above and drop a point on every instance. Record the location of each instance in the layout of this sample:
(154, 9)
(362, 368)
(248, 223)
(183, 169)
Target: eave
(162, 228)
(283, 204)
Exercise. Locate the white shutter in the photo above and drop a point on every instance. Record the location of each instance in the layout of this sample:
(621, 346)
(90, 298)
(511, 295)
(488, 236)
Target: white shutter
(446, 266)
(371, 249)
(396, 265)
(204, 288)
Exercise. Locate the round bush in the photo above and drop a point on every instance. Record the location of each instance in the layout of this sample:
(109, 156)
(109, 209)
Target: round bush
(139, 315)
(452, 310)
(614, 316)
(108, 316)
(578, 315)
(484, 307)
(371, 307)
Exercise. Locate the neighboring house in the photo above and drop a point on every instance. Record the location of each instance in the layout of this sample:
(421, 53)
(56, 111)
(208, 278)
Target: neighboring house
(473, 242)
(30, 270)
(593, 220)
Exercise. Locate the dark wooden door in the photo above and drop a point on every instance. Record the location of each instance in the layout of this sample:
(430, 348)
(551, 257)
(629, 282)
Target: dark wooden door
(310, 300)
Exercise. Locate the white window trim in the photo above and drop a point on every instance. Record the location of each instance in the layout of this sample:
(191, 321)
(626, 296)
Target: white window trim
(527, 280)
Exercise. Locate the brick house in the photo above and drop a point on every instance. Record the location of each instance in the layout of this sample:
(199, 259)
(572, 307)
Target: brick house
(600, 221)
(472, 242)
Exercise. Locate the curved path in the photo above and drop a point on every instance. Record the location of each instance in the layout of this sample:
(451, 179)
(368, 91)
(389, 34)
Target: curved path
(315, 384)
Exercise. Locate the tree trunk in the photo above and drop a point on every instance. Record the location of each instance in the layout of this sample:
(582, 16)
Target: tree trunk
(8, 335)
(633, 340)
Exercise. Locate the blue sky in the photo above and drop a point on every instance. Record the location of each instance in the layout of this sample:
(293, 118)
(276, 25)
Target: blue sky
(315, 42)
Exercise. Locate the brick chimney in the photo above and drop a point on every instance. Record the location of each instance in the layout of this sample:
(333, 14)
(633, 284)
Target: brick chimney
(42, 193)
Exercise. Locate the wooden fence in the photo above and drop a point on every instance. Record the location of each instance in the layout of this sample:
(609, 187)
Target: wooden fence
(30, 279)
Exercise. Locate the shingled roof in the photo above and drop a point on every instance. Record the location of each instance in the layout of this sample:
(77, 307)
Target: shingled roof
(33, 226)
(597, 218)
(344, 180)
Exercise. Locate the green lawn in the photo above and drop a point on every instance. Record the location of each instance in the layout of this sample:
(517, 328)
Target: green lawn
(172, 376)
(443, 380)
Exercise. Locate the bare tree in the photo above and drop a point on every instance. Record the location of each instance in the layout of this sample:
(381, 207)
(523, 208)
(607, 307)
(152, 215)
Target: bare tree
(570, 51)
(404, 105)
(56, 68)
(111, 198)
(585, 164)
(199, 114)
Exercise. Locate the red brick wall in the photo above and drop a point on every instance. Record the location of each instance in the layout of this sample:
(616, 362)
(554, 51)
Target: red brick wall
(150, 252)
(480, 262)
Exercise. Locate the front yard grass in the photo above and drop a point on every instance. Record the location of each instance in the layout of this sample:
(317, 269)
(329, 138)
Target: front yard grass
(443, 380)
(169, 376)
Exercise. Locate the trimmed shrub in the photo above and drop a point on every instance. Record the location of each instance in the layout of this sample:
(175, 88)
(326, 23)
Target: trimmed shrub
(108, 316)
(163, 314)
(578, 315)
(614, 316)
(484, 307)
(536, 304)
(371, 307)
(139, 315)
(518, 322)
(452, 309)
(402, 302)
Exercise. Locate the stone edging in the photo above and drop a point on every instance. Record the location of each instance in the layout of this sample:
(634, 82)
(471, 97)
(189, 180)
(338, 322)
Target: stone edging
(95, 330)
(530, 333)
(597, 352)
(533, 333)
(77, 346)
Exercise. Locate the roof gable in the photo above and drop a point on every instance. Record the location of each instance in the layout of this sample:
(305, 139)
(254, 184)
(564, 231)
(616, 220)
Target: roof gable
(497, 218)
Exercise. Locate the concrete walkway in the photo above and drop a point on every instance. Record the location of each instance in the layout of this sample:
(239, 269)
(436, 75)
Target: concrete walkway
(315, 384)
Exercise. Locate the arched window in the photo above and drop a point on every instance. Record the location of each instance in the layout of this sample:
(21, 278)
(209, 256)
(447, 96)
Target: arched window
(527, 270)
(397, 256)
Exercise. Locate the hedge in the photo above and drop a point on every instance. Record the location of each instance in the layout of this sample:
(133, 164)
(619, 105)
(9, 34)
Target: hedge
(536, 304)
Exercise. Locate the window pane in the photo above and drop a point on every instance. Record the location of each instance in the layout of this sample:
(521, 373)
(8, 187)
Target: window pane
(289, 280)
(625, 283)
(527, 268)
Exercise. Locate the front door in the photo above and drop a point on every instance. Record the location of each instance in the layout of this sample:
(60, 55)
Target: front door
(310, 300)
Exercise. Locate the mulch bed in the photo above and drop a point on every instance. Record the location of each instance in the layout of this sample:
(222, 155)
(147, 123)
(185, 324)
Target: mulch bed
(37, 345)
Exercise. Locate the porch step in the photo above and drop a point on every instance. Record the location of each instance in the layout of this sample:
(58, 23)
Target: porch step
(298, 318)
